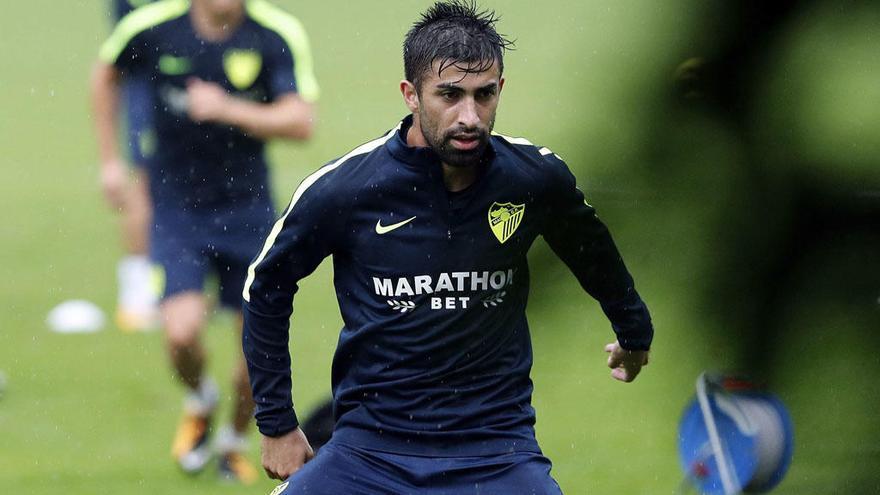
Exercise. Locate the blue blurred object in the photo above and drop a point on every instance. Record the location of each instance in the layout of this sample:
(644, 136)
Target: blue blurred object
(734, 438)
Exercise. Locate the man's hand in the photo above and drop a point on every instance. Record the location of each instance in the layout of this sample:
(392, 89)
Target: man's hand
(114, 182)
(207, 101)
(285, 455)
(625, 365)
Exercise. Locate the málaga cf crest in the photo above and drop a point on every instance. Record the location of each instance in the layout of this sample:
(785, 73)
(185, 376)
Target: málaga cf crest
(242, 67)
(504, 218)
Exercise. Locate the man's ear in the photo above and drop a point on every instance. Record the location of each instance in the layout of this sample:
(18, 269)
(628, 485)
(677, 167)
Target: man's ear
(410, 95)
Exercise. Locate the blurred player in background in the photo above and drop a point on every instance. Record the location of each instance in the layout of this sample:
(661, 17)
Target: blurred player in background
(429, 227)
(128, 192)
(227, 75)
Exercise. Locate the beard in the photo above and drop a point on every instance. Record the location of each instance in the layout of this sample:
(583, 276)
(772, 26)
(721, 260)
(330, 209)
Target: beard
(441, 142)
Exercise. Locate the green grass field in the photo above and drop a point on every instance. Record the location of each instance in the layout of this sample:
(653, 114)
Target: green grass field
(87, 414)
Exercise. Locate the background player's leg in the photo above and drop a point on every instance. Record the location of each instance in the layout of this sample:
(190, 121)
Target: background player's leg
(138, 298)
(138, 213)
(243, 407)
(183, 315)
(232, 440)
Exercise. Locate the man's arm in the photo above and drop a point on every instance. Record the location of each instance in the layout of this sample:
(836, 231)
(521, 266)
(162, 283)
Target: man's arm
(286, 117)
(105, 103)
(126, 50)
(299, 241)
(583, 242)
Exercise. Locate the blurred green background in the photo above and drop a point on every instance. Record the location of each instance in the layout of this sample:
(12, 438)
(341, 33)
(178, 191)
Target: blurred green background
(704, 192)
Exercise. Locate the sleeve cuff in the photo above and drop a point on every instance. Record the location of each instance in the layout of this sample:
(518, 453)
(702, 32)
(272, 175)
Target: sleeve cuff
(631, 322)
(279, 425)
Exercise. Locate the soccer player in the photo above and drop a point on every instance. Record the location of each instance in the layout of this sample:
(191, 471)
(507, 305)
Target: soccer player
(227, 75)
(136, 308)
(428, 227)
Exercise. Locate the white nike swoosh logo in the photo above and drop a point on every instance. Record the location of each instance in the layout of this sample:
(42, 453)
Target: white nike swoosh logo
(384, 229)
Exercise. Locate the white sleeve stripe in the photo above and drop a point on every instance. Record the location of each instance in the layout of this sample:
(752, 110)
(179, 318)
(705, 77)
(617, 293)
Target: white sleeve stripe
(545, 151)
(514, 140)
(305, 184)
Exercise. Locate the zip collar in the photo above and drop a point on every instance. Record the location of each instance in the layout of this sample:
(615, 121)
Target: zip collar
(423, 157)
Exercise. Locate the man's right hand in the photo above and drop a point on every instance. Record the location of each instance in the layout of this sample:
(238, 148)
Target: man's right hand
(114, 181)
(285, 455)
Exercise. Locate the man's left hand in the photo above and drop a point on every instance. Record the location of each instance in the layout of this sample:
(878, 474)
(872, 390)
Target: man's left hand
(625, 365)
(207, 101)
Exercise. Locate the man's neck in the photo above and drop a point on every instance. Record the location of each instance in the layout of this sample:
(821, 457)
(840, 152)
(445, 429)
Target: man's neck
(454, 178)
(459, 178)
(214, 28)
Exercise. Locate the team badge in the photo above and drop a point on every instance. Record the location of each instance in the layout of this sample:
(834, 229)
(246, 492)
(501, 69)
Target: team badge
(280, 488)
(504, 218)
(242, 67)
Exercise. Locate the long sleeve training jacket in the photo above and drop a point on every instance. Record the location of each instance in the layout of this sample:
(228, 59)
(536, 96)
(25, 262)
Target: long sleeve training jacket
(435, 354)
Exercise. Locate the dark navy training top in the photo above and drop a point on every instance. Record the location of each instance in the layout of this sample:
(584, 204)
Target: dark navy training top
(435, 354)
(203, 165)
(122, 8)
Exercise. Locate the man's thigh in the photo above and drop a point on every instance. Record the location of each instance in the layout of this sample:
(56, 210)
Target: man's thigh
(520, 473)
(340, 470)
(343, 469)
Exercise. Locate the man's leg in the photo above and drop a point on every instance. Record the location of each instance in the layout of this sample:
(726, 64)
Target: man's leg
(184, 318)
(339, 469)
(138, 298)
(514, 472)
(232, 440)
(241, 239)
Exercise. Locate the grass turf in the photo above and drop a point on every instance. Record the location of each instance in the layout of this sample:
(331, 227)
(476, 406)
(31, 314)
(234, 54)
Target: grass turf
(95, 413)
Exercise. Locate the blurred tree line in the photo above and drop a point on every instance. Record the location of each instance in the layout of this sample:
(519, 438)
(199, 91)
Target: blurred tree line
(757, 175)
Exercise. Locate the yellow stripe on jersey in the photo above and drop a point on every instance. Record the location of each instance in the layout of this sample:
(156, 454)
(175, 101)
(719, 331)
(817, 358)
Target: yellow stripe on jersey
(293, 33)
(137, 22)
(304, 185)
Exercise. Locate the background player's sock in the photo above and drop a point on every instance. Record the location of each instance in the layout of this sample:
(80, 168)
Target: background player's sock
(233, 465)
(191, 447)
(138, 299)
(229, 440)
(202, 401)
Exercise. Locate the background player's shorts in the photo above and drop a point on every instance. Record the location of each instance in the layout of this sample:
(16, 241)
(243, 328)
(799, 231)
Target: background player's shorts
(139, 106)
(340, 468)
(188, 245)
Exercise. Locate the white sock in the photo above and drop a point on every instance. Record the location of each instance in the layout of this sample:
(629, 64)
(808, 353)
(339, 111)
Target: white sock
(229, 440)
(201, 402)
(136, 292)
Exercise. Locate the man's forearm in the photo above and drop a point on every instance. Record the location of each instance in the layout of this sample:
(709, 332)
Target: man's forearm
(105, 103)
(631, 321)
(288, 118)
(265, 346)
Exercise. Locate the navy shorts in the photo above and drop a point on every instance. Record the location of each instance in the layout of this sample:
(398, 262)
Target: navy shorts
(189, 245)
(139, 105)
(344, 469)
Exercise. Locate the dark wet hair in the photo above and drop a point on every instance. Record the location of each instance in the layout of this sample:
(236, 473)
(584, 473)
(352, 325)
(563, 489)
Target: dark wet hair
(458, 35)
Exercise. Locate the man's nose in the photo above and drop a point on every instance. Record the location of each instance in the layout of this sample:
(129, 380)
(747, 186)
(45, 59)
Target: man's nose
(467, 115)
